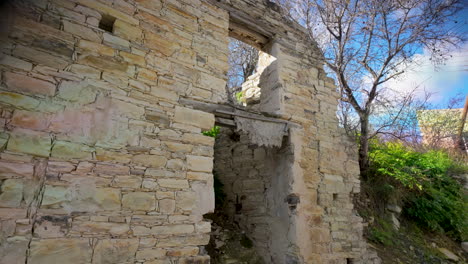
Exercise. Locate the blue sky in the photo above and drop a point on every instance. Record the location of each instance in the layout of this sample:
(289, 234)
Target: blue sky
(444, 82)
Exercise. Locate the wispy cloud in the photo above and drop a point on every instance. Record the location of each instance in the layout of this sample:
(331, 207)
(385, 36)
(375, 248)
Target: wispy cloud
(443, 81)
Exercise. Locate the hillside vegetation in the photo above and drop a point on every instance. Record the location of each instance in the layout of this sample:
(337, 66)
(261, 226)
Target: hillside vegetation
(415, 204)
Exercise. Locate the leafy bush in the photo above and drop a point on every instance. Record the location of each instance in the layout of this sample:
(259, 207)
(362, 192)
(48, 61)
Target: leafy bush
(240, 97)
(213, 132)
(432, 197)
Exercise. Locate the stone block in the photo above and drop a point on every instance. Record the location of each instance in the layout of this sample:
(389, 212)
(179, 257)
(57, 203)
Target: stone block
(11, 193)
(104, 63)
(127, 31)
(14, 250)
(111, 169)
(68, 251)
(186, 201)
(110, 251)
(54, 196)
(175, 164)
(127, 181)
(85, 71)
(114, 229)
(70, 150)
(116, 42)
(172, 230)
(183, 252)
(178, 147)
(79, 92)
(161, 44)
(150, 253)
(173, 183)
(139, 201)
(133, 58)
(81, 31)
(96, 48)
(30, 120)
(199, 163)
(15, 63)
(40, 57)
(193, 117)
(166, 206)
(13, 169)
(105, 155)
(23, 83)
(33, 144)
(153, 161)
(18, 100)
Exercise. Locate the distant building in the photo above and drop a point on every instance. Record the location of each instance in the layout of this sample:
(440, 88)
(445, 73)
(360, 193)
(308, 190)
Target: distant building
(439, 127)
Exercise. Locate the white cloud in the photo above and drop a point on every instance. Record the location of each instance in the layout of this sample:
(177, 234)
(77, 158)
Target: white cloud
(444, 81)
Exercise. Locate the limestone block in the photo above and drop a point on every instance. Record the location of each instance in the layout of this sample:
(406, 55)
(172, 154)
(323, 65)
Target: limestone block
(40, 57)
(150, 253)
(110, 251)
(12, 169)
(199, 163)
(81, 197)
(54, 196)
(11, 193)
(105, 155)
(164, 93)
(68, 251)
(15, 63)
(178, 147)
(80, 92)
(34, 144)
(193, 117)
(115, 229)
(81, 31)
(167, 206)
(205, 201)
(23, 83)
(175, 164)
(18, 100)
(111, 169)
(139, 201)
(173, 183)
(183, 252)
(153, 161)
(96, 48)
(127, 181)
(209, 82)
(51, 226)
(198, 139)
(133, 58)
(70, 150)
(104, 63)
(172, 230)
(186, 201)
(30, 120)
(85, 71)
(161, 44)
(14, 250)
(127, 31)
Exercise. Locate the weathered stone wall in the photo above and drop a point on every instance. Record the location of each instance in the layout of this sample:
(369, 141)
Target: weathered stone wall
(256, 183)
(101, 163)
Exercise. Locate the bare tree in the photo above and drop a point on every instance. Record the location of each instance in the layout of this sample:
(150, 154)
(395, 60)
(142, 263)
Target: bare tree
(243, 60)
(369, 42)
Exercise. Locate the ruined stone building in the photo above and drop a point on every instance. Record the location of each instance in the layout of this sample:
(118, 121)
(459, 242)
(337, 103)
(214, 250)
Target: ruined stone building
(102, 159)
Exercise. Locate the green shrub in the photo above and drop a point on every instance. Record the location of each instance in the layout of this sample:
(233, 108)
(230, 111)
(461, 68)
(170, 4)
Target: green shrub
(432, 197)
(213, 132)
(240, 97)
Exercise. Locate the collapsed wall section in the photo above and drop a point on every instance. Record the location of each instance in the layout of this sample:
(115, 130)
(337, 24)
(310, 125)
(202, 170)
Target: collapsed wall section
(99, 163)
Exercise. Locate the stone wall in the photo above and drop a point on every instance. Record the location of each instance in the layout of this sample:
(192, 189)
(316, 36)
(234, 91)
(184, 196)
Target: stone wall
(256, 183)
(101, 163)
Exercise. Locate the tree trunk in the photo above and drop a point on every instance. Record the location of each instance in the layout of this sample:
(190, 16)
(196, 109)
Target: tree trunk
(364, 146)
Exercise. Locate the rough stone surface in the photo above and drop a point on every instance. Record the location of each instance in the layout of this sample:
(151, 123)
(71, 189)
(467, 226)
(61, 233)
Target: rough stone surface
(102, 159)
